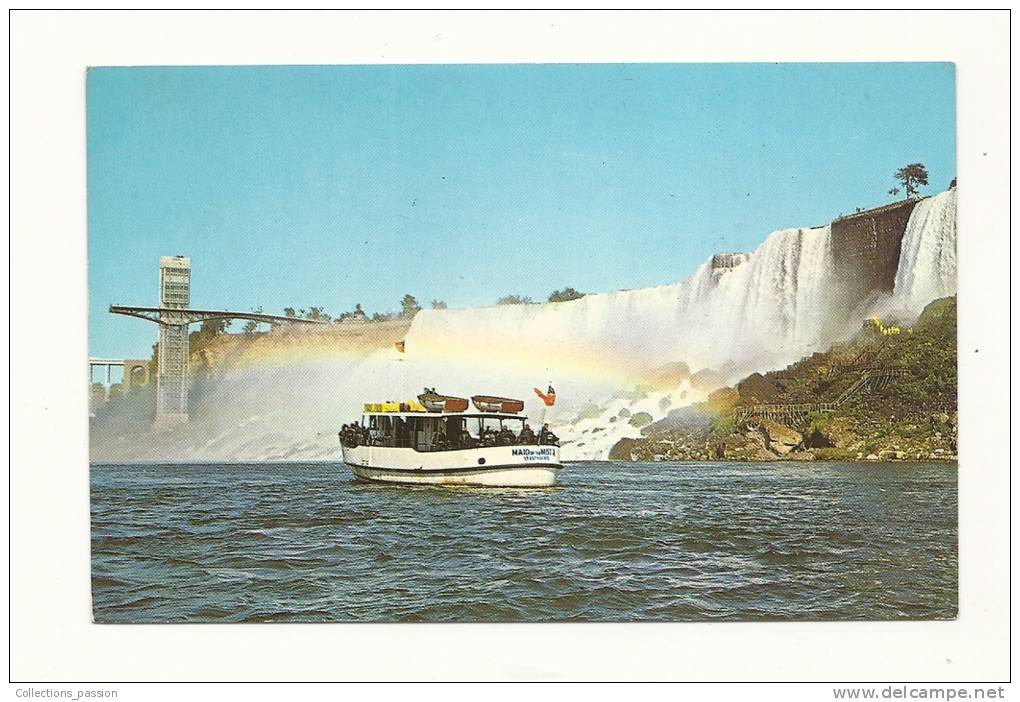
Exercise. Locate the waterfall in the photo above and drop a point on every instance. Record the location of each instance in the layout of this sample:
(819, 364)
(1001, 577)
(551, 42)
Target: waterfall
(927, 267)
(738, 310)
(605, 352)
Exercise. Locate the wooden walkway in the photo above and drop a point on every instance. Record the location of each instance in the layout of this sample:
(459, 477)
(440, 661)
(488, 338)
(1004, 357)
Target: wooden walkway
(871, 379)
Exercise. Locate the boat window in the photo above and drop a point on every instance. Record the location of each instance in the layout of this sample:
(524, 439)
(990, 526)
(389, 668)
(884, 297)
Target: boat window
(454, 429)
(416, 434)
(381, 431)
(447, 433)
(515, 425)
(401, 436)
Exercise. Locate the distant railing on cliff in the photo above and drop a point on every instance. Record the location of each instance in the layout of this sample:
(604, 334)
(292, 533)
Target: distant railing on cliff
(872, 378)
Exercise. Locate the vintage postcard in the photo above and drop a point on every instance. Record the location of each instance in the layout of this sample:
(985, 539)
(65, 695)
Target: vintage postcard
(523, 342)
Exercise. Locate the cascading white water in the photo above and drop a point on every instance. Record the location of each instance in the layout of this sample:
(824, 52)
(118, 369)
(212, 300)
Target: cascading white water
(737, 313)
(927, 267)
(769, 309)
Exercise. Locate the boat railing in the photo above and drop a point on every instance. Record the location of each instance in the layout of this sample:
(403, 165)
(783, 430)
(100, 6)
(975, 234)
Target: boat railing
(355, 439)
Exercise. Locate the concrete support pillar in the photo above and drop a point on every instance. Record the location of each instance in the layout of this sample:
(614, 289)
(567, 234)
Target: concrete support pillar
(172, 376)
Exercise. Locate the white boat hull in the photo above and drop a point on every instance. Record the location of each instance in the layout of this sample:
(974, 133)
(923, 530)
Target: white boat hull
(496, 466)
(538, 476)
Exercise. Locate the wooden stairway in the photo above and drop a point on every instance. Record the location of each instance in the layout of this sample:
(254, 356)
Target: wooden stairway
(870, 379)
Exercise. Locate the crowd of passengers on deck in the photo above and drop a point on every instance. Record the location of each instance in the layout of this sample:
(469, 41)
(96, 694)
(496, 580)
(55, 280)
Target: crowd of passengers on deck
(356, 434)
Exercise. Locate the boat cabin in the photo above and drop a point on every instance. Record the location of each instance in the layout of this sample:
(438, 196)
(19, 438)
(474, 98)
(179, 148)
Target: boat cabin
(437, 431)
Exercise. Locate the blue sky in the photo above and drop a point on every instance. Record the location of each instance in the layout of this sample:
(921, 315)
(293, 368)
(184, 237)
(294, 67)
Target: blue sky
(327, 186)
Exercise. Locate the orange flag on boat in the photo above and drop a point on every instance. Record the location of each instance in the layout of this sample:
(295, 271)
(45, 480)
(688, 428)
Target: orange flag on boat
(399, 346)
(548, 397)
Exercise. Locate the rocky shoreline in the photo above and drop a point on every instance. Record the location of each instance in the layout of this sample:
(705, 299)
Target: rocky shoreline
(887, 395)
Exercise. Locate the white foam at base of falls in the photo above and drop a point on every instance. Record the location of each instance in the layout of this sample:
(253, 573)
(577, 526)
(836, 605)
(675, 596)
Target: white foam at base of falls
(751, 312)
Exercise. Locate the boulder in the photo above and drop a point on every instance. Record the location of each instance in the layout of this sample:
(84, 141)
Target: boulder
(707, 380)
(838, 431)
(589, 411)
(640, 419)
(741, 448)
(755, 389)
(688, 420)
(780, 438)
(722, 400)
(668, 376)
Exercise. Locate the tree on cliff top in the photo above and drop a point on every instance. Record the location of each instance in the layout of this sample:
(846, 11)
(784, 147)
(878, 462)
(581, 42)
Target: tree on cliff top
(565, 295)
(409, 306)
(911, 176)
(317, 314)
(514, 300)
(210, 329)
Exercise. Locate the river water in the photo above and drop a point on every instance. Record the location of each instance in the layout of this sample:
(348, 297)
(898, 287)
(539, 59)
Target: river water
(612, 542)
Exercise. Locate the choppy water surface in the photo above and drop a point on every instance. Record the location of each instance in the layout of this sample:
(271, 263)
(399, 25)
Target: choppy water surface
(612, 542)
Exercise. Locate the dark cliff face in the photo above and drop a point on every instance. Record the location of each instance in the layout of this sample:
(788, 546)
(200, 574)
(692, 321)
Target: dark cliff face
(866, 247)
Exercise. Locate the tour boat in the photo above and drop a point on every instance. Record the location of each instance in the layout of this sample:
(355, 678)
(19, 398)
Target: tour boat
(414, 443)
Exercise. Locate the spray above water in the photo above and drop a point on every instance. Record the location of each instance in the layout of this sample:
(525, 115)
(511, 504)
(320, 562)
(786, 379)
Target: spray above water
(743, 311)
(736, 314)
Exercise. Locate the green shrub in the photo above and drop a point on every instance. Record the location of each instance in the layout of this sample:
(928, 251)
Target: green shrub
(723, 425)
(833, 454)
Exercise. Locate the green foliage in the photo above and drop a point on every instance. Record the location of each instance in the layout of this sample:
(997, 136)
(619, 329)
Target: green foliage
(834, 454)
(209, 330)
(891, 415)
(409, 306)
(565, 295)
(356, 313)
(438, 305)
(928, 352)
(514, 300)
(214, 327)
(939, 318)
(317, 313)
(819, 422)
(289, 312)
(723, 425)
(911, 176)
(251, 326)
